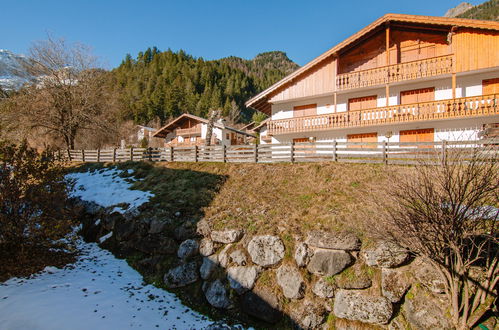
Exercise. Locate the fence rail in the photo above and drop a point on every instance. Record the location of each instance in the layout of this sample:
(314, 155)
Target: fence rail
(351, 152)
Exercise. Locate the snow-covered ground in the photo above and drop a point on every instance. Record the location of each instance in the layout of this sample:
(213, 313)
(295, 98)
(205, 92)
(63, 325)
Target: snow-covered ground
(106, 188)
(98, 291)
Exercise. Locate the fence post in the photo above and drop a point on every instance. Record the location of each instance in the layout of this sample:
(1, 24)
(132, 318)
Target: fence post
(171, 154)
(69, 155)
(292, 150)
(149, 151)
(82, 155)
(131, 154)
(98, 155)
(114, 155)
(256, 153)
(335, 158)
(385, 156)
(224, 153)
(196, 154)
(444, 152)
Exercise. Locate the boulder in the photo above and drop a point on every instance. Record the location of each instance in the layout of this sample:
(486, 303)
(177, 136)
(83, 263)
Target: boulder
(395, 283)
(262, 304)
(156, 226)
(182, 275)
(216, 294)
(266, 250)
(302, 254)
(123, 230)
(356, 306)
(323, 288)
(242, 279)
(331, 240)
(308, 315)
(329, 262)
(185, 231)
(90, 207)
(131, 213)
(238, 257)
(155, 244)
(428, 276)
(223, 256)
(385, 254)
(187, 249)
(109, 220)
(227, 236)
(206, 247)
(290, 281)
(208, 267)
(203, 228)
(423, 310)
(355, 277)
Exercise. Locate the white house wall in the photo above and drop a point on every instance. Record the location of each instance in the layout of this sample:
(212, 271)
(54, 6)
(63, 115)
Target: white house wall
(467, 85)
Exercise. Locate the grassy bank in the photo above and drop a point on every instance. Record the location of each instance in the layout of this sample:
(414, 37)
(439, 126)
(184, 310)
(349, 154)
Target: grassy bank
(283, 199)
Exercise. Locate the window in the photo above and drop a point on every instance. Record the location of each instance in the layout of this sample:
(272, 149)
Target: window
(418, 135)
(361, 103)
(490, 86)
(417, 95)
(363, 137)
(305, 110)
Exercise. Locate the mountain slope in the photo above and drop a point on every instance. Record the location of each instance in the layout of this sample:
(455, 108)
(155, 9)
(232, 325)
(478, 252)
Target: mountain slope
(486, 11)
(459, 9)
(13, 70)
(162, 85)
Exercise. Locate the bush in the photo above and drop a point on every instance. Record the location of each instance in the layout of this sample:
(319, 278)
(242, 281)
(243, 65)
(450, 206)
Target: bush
(34, 206)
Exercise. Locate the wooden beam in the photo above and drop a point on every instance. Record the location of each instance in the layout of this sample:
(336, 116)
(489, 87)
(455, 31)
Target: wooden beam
(387, 51)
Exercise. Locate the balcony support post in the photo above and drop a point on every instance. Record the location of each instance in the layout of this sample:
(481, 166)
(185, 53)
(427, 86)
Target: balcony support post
(335, 102)
(387, 52)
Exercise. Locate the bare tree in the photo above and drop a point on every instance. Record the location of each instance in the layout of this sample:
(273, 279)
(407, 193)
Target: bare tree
(69, 95)
(445, 214)
(234, 113)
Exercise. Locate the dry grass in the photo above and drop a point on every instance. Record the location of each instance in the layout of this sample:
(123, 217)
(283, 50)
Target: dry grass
(283, 199)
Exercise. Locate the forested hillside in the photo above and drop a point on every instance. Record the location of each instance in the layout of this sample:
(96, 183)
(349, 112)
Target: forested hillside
(162, 85)
(487, 11)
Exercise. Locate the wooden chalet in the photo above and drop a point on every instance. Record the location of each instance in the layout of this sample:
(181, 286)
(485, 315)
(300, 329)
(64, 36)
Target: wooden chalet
(402, 77)
(188, 130)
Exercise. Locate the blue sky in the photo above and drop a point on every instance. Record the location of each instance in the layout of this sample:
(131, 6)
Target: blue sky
(210, 29)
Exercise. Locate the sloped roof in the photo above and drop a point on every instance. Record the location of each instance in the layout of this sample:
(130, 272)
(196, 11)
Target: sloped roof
(260, 101)
(170, 127)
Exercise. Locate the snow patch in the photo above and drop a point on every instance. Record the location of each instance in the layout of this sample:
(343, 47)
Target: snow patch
(97, 292)
(107, 188)
(105, 237)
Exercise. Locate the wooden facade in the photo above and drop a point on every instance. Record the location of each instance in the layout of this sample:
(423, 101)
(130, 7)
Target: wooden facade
(459, 108)
(393, 49)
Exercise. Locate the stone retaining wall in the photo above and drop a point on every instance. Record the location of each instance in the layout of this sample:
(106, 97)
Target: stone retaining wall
(323, 280)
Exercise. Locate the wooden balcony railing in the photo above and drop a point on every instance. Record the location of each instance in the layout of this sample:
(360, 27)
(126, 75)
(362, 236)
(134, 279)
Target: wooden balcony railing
(484, 105)
(196, 130)
(429, 67)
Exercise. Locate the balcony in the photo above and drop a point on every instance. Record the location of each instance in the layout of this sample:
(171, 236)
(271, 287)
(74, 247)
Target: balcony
(485, 105)
(429, 67)
(193, 131)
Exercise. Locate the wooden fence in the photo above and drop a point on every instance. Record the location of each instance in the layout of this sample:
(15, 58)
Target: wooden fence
(351, 152)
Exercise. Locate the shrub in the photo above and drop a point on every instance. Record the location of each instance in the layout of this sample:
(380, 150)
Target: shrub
(447, 215)
(33, 198)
